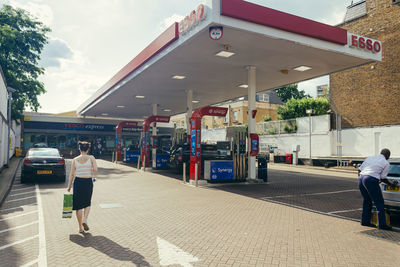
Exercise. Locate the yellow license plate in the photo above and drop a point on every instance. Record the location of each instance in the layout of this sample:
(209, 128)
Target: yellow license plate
(392, 188)
(45, 172)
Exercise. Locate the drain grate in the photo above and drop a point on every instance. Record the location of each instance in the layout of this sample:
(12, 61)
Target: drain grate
(393, 236)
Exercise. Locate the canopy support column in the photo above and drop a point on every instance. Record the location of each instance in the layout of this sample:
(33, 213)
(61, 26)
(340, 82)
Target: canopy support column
(189, 111)
(251, 118)
(154, 134)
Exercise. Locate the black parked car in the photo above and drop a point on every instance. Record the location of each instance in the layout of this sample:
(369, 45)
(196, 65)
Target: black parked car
(181, 153)
(43, 163)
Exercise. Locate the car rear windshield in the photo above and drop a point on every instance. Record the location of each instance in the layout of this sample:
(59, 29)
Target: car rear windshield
(394, 170)
(43, 153)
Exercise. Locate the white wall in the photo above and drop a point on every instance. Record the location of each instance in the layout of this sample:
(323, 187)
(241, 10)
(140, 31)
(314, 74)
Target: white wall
(357, 142)
(369, 141)
(321, 144)
(3, 122)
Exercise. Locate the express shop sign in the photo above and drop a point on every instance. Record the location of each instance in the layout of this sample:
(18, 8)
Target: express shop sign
(365, 43)
(192, 19)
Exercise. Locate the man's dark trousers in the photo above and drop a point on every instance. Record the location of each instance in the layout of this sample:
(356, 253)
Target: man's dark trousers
(370, 191)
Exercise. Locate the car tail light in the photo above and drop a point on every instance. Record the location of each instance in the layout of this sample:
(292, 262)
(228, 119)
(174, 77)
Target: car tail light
(61, 161)
(27, 161)
(180, 158)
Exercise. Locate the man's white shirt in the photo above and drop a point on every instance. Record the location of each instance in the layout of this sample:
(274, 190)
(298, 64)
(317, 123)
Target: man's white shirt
(375, 166)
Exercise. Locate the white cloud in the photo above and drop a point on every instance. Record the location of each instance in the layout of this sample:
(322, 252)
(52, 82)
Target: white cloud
(42, 12)
(166, 23)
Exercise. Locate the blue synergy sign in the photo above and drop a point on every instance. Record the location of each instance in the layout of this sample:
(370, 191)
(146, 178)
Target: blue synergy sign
(221, 170)
(132, 155)
(162, 161)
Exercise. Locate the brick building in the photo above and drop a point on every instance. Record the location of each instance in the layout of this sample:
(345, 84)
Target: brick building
(267, 105)
(370, 95)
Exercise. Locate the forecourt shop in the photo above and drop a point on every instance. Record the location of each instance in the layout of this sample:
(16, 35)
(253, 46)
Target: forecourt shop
(222, 50)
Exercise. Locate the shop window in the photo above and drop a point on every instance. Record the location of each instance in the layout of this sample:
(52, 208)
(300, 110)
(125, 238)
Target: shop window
(214, 120)
(52, 141)
(226, 118)
(110, 140)
(33, 138)
(71, 141)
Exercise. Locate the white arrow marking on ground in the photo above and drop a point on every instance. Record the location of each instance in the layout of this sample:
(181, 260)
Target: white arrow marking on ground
(170, 254)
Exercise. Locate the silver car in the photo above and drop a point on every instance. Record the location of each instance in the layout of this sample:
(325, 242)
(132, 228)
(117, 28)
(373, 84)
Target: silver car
(391, 190)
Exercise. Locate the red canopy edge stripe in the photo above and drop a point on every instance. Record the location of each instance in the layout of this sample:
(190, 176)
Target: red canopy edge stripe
(169, 36)
(250, 12)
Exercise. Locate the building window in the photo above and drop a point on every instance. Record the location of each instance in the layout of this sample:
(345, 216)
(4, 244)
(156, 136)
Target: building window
(263, 97)
(235, 116)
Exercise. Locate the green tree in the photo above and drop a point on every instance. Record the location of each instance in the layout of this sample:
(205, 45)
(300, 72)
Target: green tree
(22, 39)
(295, 108)
(290, 91)
(267, 118)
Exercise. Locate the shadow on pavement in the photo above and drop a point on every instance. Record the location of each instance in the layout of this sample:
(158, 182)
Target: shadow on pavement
(109, 247)
(104, 173)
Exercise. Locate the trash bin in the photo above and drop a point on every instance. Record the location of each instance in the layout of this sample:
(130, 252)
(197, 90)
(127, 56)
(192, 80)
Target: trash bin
(18, 152)
(289, 158)
(262, 168)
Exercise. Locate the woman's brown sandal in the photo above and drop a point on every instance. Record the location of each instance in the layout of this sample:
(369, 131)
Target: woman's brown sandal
(85, 226)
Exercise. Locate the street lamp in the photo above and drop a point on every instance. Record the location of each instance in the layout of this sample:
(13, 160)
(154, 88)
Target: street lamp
(309, 112)
(10, 91)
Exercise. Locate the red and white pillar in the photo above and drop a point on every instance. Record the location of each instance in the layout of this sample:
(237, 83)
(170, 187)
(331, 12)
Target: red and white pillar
(251, 119)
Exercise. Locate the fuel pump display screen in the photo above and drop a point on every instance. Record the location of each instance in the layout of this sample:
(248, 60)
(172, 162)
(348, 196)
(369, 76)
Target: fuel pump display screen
(193, 143)
(254, 145)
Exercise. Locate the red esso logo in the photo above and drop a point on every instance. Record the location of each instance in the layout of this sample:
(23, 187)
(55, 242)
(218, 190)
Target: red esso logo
(366, 43)
(192, 19)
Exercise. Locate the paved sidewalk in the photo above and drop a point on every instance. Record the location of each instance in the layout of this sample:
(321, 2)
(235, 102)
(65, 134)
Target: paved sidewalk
(7, 176)
(158, 221)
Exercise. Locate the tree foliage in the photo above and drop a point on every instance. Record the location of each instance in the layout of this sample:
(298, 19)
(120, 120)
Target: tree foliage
(290, 91)
(22, 39)
(295, 108)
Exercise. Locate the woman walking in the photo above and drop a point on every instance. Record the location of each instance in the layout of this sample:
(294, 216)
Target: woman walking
(82, 169)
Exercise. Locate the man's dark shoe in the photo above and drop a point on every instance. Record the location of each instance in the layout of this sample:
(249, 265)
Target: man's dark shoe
(385, 227)
(368, 224)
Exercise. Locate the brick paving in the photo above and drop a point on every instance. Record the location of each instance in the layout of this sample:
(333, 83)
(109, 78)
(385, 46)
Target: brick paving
(218, 227)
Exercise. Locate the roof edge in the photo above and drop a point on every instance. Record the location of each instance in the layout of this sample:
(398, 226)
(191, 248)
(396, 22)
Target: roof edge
(254, 13)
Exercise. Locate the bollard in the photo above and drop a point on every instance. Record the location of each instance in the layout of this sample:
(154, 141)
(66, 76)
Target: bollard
(196, 175)
(138, 163)
(112, 157)
(184, 172)
(144, 163)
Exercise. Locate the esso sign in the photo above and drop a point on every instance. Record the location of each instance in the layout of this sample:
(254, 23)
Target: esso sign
(131, 123)
(192, 19)
(365, 43)
(215, 111)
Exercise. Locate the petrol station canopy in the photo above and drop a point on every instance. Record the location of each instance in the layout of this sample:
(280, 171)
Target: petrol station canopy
(284, 48)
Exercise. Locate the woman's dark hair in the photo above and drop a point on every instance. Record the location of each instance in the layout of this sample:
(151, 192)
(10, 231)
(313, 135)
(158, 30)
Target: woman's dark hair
(84, 146)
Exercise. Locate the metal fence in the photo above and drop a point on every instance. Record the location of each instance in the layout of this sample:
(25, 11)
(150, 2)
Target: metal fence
(277, 127)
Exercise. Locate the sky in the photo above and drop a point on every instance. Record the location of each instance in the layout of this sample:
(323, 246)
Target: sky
(91, 40)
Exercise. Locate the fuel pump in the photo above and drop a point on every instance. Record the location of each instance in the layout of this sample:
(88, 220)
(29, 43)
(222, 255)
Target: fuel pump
(239, 153)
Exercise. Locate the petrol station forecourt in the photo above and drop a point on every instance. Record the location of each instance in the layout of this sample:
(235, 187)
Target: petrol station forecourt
(221, 48)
